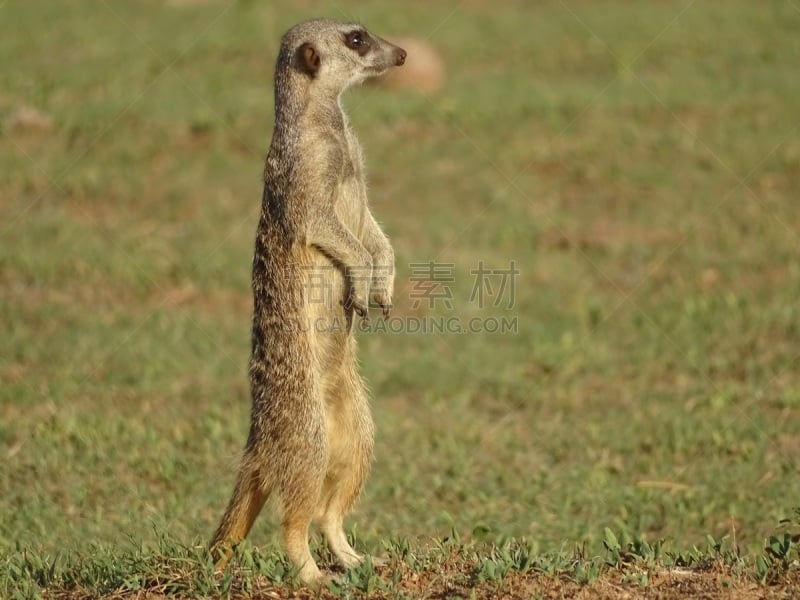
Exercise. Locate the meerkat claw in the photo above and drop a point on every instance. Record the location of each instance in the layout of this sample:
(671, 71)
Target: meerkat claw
(361, 311)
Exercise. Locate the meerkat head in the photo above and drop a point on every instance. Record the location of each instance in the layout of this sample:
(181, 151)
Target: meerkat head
(338, 55)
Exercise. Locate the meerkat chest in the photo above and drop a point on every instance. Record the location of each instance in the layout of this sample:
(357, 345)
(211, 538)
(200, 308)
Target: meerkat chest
(349, 205)
(350, 193)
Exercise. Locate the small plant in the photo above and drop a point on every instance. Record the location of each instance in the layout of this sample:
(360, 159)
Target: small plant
(630, 550)
(362, 579)
(494, 567)
(398, 548)
(585, 572)
(780, 554)
(25, 574)
(639, 578)
(613, 548)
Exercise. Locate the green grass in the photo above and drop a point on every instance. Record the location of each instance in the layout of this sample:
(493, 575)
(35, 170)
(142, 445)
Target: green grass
(638, 161)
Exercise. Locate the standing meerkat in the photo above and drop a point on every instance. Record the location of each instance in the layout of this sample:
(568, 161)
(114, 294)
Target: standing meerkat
(311, 431)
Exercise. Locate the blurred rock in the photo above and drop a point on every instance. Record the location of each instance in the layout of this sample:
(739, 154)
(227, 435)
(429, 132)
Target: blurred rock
(27, 118)
(709, 278)
(424, 70)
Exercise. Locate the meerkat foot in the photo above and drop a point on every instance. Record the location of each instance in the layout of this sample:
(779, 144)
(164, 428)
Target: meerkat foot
(337, 542)
(312, 577)
(345, 553)
(380, 561)
(350, 559)
(353, 560)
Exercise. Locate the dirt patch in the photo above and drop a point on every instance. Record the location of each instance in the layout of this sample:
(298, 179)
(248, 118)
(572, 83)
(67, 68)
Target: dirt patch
(456, 580)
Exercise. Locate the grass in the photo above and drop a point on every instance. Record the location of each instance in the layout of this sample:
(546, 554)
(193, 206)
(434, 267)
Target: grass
(639, 162)
(445, 568)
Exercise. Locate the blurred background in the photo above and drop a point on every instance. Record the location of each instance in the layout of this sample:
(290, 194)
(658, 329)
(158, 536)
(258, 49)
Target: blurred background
(638, 164)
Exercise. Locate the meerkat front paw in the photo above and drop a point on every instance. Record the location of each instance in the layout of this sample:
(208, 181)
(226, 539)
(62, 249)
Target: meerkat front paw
(358, 297)
(382, 286)
(382, 300)
(357, 305)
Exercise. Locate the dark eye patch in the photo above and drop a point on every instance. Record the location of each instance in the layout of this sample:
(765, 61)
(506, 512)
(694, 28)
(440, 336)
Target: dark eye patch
(358, 40)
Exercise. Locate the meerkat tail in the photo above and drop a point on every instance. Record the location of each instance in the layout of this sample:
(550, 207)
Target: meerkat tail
(248, 499)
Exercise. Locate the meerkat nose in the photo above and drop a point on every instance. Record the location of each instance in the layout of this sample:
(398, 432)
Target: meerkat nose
(401, 57)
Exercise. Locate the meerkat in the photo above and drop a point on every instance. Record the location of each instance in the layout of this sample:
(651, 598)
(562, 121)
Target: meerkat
(311, 430)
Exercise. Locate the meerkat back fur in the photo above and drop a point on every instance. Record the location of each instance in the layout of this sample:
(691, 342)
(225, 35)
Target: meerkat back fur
(320, 258)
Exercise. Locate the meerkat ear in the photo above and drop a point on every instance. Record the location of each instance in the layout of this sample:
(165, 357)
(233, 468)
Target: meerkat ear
(308, 59)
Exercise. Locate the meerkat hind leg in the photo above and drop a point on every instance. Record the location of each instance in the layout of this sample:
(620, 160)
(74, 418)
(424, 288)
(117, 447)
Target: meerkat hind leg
(300, 495)
(296, 522)
(350, 433)
(332, 526)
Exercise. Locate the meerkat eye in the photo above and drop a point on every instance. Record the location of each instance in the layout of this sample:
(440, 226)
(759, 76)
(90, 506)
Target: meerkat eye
(356, 40)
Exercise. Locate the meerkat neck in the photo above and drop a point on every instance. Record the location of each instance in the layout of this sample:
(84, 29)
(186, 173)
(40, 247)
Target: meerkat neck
(314, 102)
(288, 103)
